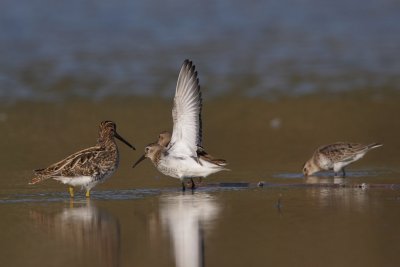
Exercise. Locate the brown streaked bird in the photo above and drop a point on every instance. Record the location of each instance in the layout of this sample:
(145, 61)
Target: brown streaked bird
(87, 167)
(336, 157)
(177, 155)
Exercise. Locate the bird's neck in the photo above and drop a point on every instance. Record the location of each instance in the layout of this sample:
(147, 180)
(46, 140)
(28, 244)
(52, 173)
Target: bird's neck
(107, 142)
(315, 163)
(156, 157)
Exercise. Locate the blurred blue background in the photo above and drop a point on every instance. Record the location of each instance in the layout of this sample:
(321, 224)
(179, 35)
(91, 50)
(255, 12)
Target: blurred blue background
(55, 50)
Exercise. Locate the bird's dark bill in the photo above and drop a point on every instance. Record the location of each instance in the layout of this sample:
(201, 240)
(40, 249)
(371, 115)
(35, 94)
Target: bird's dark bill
(139, 160)
(123, 140)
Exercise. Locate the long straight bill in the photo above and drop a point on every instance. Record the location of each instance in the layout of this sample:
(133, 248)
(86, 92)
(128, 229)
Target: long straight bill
(123, 140)
(139, 160)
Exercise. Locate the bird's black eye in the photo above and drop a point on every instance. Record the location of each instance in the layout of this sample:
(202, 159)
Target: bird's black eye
(305, 170)
(147, 149)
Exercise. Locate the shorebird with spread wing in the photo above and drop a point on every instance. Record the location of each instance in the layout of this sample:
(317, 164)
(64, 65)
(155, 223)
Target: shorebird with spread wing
(181, 154)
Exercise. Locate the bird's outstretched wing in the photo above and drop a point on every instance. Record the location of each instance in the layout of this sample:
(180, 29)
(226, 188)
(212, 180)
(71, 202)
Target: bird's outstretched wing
(186, 113)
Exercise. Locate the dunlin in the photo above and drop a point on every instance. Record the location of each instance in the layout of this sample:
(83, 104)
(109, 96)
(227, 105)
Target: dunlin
(181, 155)
(165, 137)
(336, 157)
(87, 167)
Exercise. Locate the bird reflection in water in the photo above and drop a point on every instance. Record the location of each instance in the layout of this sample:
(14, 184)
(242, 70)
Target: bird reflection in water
(92, 231)
(186, 217)
(324, 180)
(331, 192)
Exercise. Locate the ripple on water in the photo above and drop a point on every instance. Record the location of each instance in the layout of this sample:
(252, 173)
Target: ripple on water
(61, 196)
(126, 194)
(133, 194)
(349, 174)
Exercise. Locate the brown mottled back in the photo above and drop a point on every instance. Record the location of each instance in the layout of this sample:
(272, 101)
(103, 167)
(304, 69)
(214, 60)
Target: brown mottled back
(341, 151)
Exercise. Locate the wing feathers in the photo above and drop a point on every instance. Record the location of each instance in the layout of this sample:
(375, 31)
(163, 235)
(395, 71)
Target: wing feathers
(74, 165)
(186, 113)
(342, 151)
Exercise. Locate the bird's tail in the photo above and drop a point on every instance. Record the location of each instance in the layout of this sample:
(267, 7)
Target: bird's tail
(374, 145)
(209, 158)
(222, 168)
(219, 162)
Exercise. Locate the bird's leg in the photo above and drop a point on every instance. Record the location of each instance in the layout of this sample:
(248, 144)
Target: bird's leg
(193, 184)
(183, 186)
(71, 191)
(88, 193)
(343, 173)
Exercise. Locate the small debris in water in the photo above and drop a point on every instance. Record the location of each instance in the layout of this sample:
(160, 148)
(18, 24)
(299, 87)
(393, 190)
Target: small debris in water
(279, 203)
(363, 186)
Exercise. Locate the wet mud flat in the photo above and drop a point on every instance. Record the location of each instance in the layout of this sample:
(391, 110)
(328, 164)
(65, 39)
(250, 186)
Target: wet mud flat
(138, 213)
(258, 137)
(349, 225)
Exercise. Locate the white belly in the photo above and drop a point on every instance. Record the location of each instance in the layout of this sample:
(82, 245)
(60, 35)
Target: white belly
(84, 181)
(75, 181)
(187, 168)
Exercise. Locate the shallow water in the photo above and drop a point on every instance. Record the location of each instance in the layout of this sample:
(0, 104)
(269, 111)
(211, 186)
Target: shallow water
(282, 226)
(278, 79)
(139, 217)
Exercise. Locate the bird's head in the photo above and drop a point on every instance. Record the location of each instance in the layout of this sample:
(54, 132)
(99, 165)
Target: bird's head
(108, 130)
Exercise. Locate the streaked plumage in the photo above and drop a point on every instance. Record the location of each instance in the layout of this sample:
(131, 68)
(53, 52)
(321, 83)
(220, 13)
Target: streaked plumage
(336, 157)
(87, 167)
(181, 155)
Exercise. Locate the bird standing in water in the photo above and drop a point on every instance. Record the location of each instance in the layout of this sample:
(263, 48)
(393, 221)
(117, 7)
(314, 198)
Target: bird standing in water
(336, 157)
(87, 167)
(165, 137)
(181, 155)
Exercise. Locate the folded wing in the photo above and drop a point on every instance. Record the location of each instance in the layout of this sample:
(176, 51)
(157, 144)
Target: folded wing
(78, 164)
(344, 151)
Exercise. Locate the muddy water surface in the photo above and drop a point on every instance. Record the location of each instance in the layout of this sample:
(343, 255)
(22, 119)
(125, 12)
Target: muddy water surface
(139, 217)
(278, 78)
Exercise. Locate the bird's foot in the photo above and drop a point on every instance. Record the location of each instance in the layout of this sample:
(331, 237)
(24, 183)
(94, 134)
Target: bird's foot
(183, 186)
(71, 191)
(193, 185)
